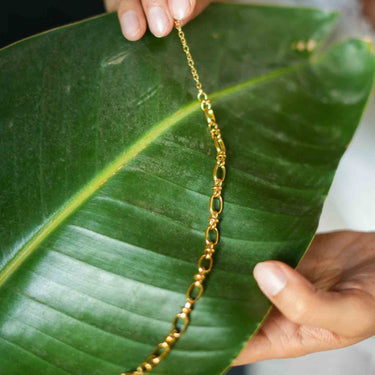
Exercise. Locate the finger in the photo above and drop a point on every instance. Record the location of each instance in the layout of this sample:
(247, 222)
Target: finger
(181, 8)
(347, 312)
(111, 5)
(369, 10)
(186, 10)
(132, 19)
(259, 348)
(159, 19)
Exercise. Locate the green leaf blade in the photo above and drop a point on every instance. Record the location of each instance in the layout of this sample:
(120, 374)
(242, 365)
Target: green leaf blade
(117, 249)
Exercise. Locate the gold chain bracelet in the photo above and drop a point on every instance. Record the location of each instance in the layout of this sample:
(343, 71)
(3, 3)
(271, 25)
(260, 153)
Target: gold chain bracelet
(205, 262)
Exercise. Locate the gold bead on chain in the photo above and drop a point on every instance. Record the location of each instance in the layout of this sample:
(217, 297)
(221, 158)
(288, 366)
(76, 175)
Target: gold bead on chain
(205, 263)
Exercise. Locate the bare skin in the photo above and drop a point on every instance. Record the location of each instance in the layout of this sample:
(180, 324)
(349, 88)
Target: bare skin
(159, 15)
(369, 10)
(327, 303)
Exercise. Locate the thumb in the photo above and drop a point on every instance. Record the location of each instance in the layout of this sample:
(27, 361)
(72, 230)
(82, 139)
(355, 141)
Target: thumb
(348, 312)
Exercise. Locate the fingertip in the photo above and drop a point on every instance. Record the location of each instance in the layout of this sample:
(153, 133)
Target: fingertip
(267, 264)
(270, 277)
(300, 301)
(159, 20)
(131, 25)
(181, 9)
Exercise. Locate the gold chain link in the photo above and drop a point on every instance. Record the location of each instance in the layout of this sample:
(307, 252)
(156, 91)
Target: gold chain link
(205, 263)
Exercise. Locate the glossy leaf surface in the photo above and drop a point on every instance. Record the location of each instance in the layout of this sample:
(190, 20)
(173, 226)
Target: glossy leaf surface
(107, 171)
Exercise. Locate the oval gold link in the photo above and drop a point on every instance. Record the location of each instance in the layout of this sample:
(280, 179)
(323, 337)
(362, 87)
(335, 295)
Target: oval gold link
(211, 205)
(161, 351)
(216, 168)
(191, 288)
(201, 267)
(219, 144)
(210, 115)
(183, 317)
(208, 230)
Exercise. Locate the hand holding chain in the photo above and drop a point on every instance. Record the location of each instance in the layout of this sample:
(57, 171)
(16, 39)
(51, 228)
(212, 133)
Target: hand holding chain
(205, 263)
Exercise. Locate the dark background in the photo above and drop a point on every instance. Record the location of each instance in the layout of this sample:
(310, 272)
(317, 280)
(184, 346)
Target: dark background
(20, 19)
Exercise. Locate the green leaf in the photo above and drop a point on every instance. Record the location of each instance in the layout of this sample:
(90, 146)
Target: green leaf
(107, 172)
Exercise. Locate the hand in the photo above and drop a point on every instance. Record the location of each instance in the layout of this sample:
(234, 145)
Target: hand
(160, 15)
(369, 10)
(328, 303)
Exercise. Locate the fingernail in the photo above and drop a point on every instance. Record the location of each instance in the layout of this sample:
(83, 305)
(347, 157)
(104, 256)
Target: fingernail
(130, 24)
(270, 278)
(158, 21)
(180, 8)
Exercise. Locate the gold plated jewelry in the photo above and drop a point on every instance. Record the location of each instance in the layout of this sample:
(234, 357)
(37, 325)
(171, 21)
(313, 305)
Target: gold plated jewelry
(205, 263)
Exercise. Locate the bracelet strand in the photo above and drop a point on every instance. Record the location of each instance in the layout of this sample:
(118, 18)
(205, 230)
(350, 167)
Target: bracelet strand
(195, 290)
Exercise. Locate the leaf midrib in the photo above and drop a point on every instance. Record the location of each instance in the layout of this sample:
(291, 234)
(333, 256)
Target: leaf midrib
(89, 189)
